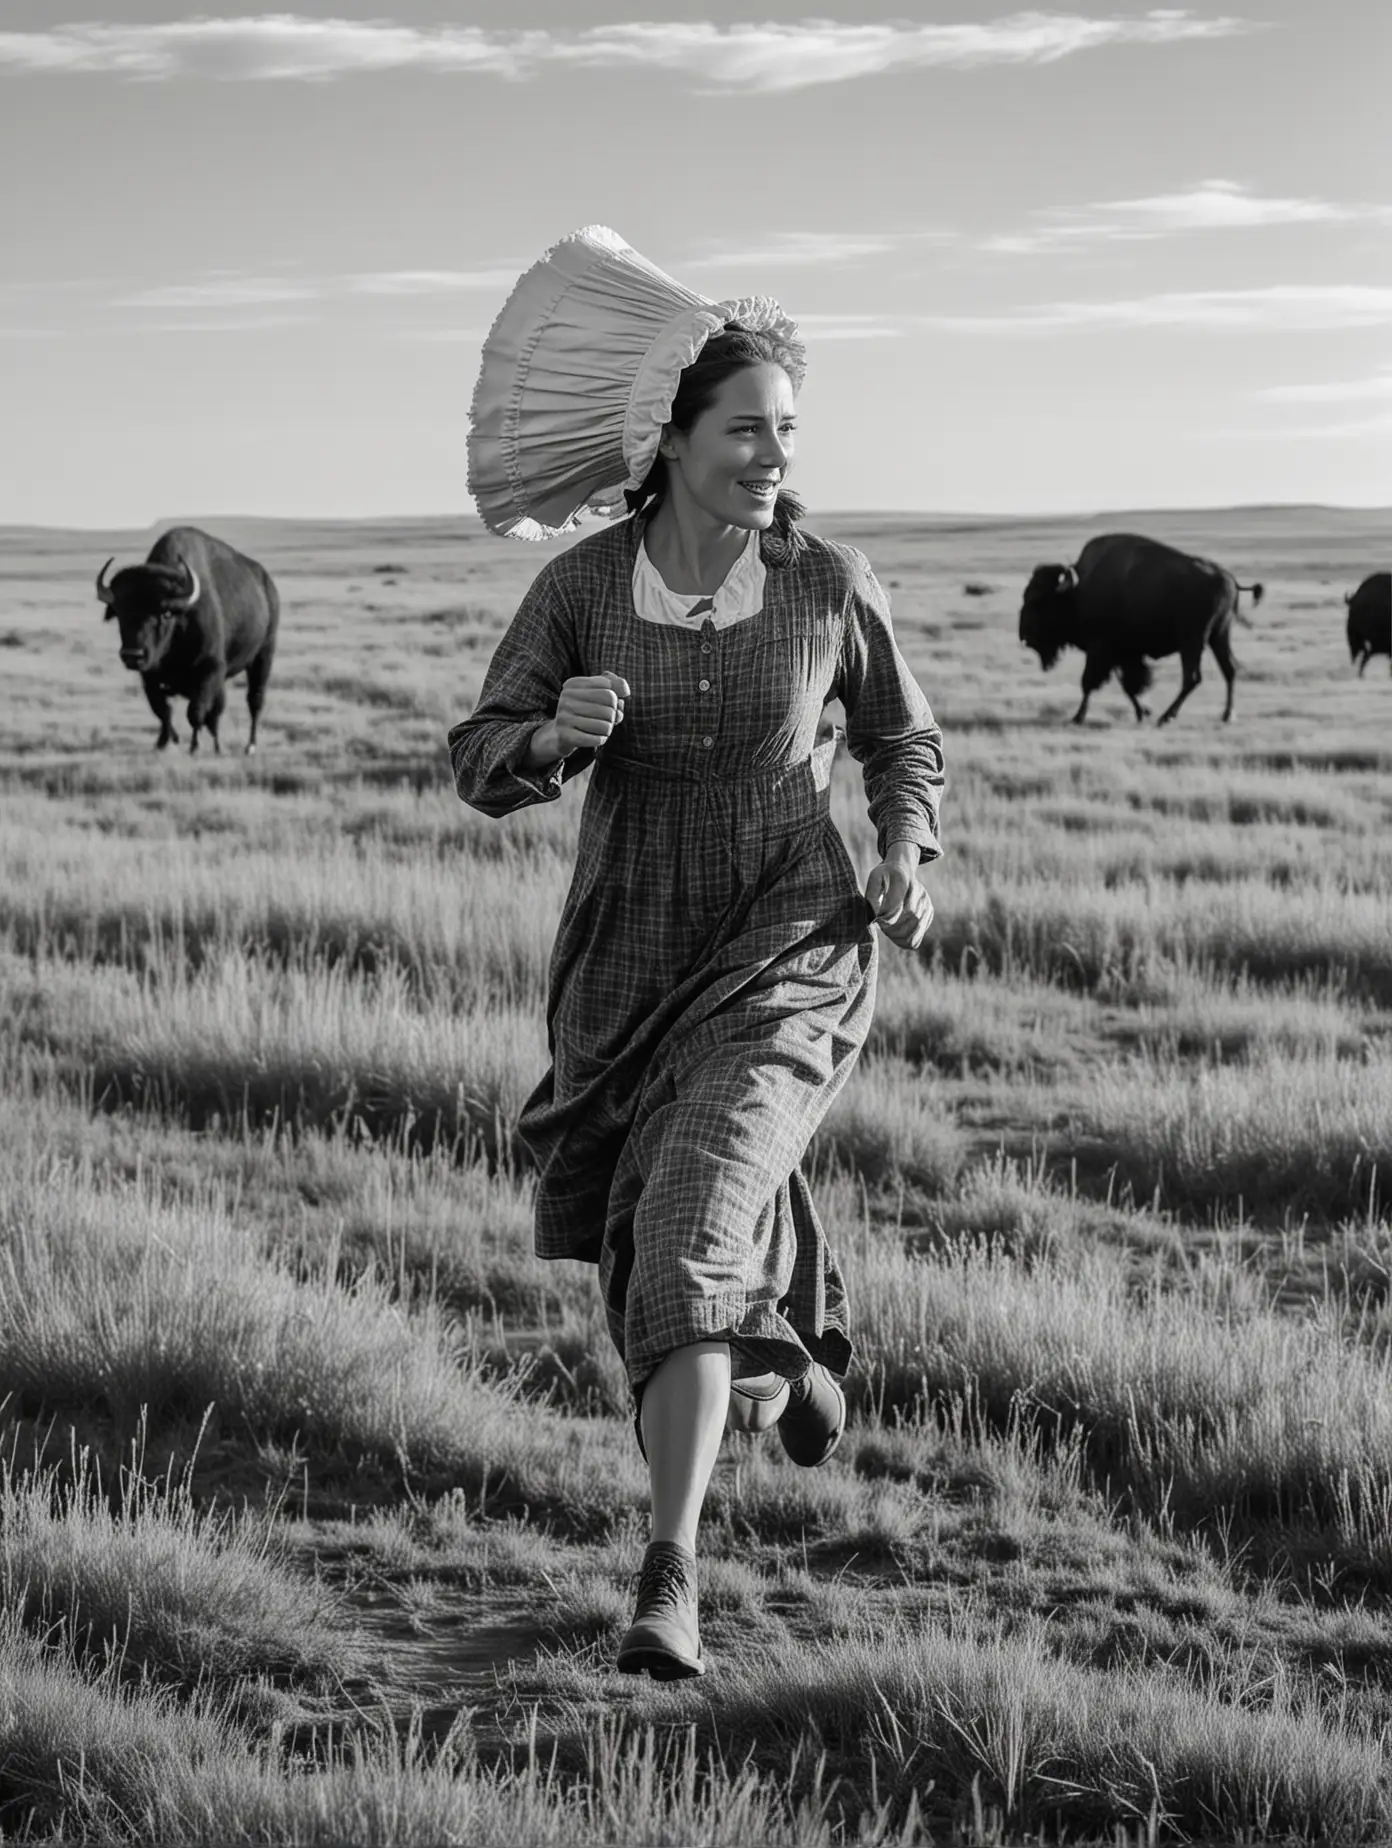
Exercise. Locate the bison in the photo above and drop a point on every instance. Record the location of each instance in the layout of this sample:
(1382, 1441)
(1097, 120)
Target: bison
(195, 614)
(1370, 618)
(1128, 601)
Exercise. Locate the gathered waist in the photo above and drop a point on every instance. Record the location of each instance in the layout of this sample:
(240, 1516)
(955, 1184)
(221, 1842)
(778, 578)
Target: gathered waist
(765, 776)
(813, 771)
(776, 798)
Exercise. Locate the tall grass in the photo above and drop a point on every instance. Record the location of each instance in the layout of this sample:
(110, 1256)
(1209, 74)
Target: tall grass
(1046, 1743)
(117, 1301)
(1187, 1404)
(1102, 1553)
(1284, 1135)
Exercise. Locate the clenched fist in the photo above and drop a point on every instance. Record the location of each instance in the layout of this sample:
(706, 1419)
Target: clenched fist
(899, 899)
(589, 708)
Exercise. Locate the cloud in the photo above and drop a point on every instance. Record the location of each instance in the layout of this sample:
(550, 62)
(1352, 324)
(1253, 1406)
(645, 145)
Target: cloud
(446, 336)
(754, 57)
(226, 291)
(435, 282)
(240, 324)
(798, 248)
(1377, 425)
(820, 327)
(1357, 426)
(1331, 391)
(1212, 205)
(1281, 308)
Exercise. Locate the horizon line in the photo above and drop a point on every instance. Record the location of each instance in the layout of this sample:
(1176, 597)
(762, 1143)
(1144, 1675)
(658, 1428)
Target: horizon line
(922, 513)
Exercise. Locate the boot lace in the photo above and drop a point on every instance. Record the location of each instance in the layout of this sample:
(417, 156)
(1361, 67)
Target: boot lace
(662, 1581)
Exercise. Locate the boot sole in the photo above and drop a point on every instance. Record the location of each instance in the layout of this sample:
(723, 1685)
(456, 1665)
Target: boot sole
(660, 1664)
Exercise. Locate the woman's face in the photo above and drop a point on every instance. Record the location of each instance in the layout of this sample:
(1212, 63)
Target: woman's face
(739, 449)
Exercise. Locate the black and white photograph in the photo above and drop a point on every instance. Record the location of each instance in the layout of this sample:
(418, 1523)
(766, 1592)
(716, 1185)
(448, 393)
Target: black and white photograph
(696, 924)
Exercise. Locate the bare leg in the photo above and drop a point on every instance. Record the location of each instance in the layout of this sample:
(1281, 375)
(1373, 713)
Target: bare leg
(683, 1418)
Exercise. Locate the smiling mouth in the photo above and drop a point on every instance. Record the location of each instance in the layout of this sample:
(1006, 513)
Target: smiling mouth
(761, 490)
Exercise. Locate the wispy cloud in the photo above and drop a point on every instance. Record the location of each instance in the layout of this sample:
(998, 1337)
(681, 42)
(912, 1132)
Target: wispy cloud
(434, 282)
(229, 289)
(1212, 205)
(1339, 431)
(229, 324)
(446, 336)
(798, 247)
(1332, 391)
(819, 327)
(804, 249)
(224, 291)
(761, 57)
(1286, 308)
(1355, 426)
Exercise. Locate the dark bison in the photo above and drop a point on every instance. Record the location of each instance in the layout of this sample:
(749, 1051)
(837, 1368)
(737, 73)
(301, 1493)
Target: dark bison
(1128, 601)
(195, 614)
(1370, 618)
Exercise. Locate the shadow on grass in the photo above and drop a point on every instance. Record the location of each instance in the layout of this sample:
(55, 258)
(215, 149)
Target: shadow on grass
(251, 1100)
(1116, 954)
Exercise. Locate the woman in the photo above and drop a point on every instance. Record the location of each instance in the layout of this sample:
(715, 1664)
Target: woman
(713, 975)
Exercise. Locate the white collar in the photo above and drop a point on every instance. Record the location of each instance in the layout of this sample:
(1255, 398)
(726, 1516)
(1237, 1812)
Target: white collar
(739, 597)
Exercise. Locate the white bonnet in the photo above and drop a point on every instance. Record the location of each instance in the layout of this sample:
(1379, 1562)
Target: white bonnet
(578, 376)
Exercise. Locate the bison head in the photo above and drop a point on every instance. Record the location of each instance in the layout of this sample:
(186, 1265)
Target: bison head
(1046, 614)
(149, 602)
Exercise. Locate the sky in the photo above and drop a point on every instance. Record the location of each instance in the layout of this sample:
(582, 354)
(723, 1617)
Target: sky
(1045, 261)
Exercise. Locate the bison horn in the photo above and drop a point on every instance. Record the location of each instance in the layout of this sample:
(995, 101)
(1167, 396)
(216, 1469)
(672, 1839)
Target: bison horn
(195, 590)
(1068, 578)
(104, 593)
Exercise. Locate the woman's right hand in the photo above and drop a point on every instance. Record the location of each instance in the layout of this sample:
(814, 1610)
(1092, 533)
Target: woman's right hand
(589, 708)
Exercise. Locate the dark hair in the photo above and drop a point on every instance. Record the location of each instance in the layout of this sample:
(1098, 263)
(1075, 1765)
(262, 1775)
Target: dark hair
(730, 351)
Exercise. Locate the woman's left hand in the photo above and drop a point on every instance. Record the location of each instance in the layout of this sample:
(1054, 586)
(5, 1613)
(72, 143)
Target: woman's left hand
(899, 899)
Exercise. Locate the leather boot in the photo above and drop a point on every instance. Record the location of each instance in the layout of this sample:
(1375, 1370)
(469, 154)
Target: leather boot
(815, 1417)
(663, 1637)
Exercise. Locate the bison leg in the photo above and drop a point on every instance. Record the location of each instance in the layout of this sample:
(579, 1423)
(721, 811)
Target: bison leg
(1193, 674)
(159, 705)
(214, 718)
(1096, 673)
(258, 673)
(205, 708)
(1221, 644)
(1363, 661)
(1135, 678)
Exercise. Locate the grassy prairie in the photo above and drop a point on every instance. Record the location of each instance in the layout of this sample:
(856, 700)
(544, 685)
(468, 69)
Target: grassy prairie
(319, 1504)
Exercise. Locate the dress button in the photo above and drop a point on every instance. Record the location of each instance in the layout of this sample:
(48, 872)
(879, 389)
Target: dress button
(708, 741)
(705, 647)
(705, 686)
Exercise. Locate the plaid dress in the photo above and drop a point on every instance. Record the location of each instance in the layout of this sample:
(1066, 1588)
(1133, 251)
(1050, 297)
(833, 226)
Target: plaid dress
(713, 975)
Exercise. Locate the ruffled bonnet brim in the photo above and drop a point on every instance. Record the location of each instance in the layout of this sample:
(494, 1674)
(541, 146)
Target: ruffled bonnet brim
(577, 379)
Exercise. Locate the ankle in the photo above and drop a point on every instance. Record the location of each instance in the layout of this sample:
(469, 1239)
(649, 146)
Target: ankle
(669, 1535)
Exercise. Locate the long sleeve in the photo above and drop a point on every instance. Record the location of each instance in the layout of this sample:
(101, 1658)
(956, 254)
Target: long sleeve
(533, 660)
(890, 729)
